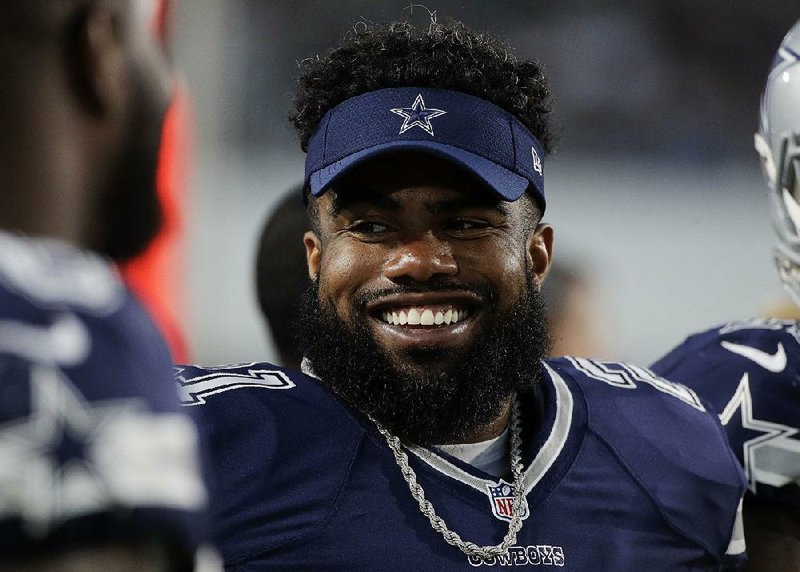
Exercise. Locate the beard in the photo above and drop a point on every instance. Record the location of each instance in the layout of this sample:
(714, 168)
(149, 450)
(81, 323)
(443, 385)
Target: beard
(428, 405)
(131, 210)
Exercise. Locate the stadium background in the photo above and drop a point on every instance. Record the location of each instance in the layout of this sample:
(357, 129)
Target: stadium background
(655, 187)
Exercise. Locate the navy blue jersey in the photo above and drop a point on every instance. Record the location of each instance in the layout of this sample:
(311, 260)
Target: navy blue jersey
(749, 372)
(94, 446)
(623, 471)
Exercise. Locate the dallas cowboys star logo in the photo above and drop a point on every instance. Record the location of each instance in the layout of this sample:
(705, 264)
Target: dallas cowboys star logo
(770, 449)
(418, 115)
(46, 468)
(71, 457)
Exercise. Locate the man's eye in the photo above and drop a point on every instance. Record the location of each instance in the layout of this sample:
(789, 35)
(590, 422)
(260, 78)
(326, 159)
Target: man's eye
(368, 227)
(466, 225)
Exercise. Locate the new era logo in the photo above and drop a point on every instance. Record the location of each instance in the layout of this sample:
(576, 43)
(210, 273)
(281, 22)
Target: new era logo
(537, 162)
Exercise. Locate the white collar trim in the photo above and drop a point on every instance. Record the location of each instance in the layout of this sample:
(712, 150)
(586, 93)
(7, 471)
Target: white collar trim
(544, 459)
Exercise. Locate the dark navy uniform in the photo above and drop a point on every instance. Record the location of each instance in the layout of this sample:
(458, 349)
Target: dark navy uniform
(749, 372)
(94, 446)
(622, 471)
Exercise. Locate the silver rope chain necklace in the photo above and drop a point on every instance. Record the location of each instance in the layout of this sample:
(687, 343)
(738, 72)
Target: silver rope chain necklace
(438, 524)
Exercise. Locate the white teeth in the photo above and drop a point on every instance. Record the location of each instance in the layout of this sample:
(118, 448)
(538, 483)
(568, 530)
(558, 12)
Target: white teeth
(414, 317)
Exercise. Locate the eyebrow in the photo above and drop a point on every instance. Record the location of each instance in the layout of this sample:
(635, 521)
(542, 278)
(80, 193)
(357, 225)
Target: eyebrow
(463, 203)
(388, 202)
(370, 198)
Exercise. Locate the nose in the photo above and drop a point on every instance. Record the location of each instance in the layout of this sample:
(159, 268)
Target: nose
(420, 259)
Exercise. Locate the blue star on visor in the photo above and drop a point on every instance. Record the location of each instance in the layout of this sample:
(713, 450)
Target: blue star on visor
(417, 116)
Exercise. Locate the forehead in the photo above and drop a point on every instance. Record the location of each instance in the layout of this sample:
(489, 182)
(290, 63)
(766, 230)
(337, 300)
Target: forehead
(411, 174)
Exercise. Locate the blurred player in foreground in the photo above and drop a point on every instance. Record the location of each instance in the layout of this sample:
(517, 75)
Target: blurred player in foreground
(427, 432)
(98, 465)
(750, 370)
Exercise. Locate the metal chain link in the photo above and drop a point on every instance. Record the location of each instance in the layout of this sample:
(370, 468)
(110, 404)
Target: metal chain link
(438, 524)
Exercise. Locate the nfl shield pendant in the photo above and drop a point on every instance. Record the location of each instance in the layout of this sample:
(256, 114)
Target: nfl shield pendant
(501, 497)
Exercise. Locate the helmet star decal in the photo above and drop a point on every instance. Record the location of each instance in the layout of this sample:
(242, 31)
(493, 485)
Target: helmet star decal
(417, 116)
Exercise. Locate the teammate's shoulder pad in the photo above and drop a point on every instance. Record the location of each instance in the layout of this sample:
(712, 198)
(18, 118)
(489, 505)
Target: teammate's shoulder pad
(47, 273)
(769, 343)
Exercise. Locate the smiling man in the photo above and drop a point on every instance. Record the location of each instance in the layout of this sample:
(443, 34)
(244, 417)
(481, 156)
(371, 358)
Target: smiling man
(427, 432)
(425, 288)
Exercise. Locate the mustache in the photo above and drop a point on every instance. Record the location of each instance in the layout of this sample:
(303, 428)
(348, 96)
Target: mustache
(483, 292)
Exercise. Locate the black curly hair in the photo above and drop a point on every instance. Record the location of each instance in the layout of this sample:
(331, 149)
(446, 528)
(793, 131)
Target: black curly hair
(440, 55)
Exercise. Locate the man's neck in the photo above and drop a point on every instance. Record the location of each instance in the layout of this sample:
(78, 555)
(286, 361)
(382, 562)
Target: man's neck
(35, 212)
(45, 176)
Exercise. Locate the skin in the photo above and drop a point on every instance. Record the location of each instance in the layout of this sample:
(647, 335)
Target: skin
(399, 223)
(67, 108)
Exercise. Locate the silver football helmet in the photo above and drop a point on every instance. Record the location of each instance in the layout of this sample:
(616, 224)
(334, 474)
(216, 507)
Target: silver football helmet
(778, 144)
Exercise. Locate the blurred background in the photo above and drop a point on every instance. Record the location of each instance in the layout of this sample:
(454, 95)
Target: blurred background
(655, 191)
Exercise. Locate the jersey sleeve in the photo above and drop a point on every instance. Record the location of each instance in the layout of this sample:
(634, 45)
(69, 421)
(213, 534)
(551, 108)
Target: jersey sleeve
(672, 447)
(749, 371)
(256, 421)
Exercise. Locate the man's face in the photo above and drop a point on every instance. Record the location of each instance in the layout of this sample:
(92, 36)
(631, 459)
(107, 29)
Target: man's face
(420, 262)
(131, 209)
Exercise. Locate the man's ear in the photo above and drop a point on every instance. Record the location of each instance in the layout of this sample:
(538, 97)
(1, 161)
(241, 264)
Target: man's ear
(540, 251)
(313, 253)
(99, 61)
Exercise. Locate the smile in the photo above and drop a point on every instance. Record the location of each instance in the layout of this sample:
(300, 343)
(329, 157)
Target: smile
(424, 316)
(447, 319)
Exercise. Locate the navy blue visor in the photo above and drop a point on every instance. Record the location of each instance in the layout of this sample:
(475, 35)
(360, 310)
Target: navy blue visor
(477, 135)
